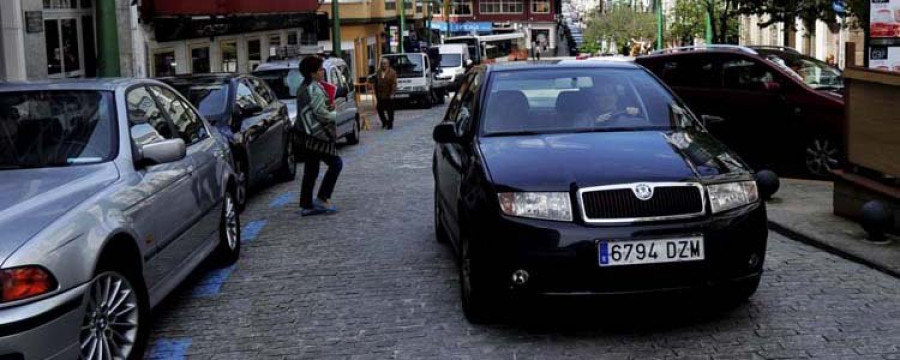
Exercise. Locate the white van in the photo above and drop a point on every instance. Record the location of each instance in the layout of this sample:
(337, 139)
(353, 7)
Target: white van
(414, 78)
(452, 68)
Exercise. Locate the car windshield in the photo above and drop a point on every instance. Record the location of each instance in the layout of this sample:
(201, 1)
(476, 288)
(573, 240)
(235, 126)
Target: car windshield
(210, 98)
(285, 82)
(579, 100)
(451, 60)
(56, 128)
(407, 66)
(815, 73)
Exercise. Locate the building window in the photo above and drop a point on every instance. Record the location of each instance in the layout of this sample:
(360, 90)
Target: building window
(274, 44)
(200, 60)
(254, 53)
(63, 48)
(292, 38)
(540, 6)
(392, 5)
(229, 56)
(60, 4)
(501, 6)
(164, 64)
(461, 8)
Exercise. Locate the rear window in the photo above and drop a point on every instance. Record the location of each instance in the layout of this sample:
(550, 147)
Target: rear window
(408, 66)
(210, 99)
(56, 128)
(579, 100)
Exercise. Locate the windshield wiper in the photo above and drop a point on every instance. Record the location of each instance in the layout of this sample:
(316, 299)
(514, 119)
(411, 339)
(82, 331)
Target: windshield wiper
(623, 128)
(516, 133)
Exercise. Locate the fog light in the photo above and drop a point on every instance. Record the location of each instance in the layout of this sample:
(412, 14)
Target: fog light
(754, 261)
(520, 277)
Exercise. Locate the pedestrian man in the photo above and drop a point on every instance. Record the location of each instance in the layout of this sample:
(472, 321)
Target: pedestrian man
(385, 87)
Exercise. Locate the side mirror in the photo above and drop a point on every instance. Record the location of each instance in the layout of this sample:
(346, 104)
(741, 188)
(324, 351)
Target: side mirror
(712, 119)
(249, 110)
(445, 133)
(162, 152)
(469, 63)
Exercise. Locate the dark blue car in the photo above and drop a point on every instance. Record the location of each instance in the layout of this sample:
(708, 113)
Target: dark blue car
(589, 177)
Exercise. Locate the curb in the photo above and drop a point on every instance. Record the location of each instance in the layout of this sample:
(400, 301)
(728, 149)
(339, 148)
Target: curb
(808, 240)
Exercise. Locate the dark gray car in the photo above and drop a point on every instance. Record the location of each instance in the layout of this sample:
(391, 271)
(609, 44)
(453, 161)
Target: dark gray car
(111, 193)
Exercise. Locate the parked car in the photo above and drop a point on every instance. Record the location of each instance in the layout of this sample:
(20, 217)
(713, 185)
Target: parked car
(538, 194)
(414, 78)
(249, 114)
(283, 76)
(111, 193)
(775, 107)
(454, 63)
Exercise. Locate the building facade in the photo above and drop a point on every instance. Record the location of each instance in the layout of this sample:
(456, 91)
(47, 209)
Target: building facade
(51, 39)
(536, 18)
(820, 41)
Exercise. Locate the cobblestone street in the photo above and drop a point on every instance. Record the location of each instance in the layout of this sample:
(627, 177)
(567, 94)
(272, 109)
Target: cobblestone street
(372, 283)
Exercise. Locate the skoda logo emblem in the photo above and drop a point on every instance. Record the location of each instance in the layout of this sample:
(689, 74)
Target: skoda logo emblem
(643, 191)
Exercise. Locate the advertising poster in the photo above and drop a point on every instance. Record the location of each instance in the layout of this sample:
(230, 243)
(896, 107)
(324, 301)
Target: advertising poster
(885, 58)
(885, 19)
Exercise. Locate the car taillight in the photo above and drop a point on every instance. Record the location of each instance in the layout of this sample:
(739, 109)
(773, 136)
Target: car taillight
(25, 282)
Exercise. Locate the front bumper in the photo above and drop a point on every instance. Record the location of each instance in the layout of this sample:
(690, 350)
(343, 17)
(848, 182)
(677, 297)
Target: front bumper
(44, 329)
(562, 258)
(407, 95)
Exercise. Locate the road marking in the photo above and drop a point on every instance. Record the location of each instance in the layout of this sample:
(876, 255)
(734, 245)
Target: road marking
(169, 349)
(252, 230)
(212, 282)
(282, 200)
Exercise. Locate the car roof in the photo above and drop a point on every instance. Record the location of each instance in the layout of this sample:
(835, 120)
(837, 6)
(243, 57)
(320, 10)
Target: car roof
(188, 78)
(552, 64)
(294, 63)
(103, 84)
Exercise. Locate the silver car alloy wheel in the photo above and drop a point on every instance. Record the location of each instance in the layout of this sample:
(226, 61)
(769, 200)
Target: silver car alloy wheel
(110, 326)
(822, 156)
(231, 227)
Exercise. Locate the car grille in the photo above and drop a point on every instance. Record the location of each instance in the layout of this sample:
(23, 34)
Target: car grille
(618, 203)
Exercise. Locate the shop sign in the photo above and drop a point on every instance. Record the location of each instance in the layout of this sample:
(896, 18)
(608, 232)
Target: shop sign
(34, 21)
(885, 58)
(884, 19)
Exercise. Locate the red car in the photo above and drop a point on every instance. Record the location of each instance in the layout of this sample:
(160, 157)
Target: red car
(777, 108)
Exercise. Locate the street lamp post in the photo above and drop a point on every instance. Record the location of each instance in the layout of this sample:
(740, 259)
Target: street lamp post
(335, 29)
(402, 7)
(709, 29)
(659, 25)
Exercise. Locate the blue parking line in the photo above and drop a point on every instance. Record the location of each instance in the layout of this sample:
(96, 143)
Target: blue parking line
(212, 282)
(252, 230)
(169, 349)
(282, 200)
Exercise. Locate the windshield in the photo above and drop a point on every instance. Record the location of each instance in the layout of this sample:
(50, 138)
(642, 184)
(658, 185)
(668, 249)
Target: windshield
(451, 60)
(55, 128)
(284, 82)
(210, 99)
(408, 66)
(811, 71)
(579, 100)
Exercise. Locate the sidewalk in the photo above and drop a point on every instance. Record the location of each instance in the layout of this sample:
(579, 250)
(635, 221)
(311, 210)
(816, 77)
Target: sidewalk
(802, 210)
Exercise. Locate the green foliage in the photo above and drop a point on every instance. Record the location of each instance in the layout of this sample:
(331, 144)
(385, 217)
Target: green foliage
(686, 21)
(620, 23)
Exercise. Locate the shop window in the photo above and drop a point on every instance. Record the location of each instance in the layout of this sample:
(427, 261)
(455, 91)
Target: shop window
(200, 60)
(164, 64)
(540, 6)
(254, 53)
(229, 56)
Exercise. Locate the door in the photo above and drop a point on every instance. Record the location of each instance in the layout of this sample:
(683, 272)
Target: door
(70, 45)
(205, 154)
(695, 79)
(276, 119)
(451, 158)
(754, 111)
(255, 129)
(165, 190)
(351, 108)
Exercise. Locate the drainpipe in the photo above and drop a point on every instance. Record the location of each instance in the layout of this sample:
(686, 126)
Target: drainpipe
(108, 39)
(402, 7)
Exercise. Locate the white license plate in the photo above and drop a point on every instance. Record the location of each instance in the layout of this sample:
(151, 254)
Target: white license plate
(613, 253)
(401, 96)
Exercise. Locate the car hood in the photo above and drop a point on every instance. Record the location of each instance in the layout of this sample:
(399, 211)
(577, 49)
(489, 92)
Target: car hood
(556, 162)
(31, 199)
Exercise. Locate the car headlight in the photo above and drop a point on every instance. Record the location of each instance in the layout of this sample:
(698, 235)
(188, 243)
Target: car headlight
(538, 205)
(724, 197)
(25, 282)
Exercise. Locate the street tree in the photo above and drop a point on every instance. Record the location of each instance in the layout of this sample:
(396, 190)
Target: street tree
(622, 24)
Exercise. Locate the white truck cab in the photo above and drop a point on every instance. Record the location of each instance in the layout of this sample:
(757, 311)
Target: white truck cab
(415, 81)
(452, 69)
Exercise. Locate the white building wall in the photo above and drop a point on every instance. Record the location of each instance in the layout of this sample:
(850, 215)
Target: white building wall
(12, 41)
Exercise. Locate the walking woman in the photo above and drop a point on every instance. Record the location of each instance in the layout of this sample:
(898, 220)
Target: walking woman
(317, 140)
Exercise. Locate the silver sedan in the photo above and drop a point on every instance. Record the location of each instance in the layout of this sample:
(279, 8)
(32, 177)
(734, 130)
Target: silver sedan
(111, 193)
